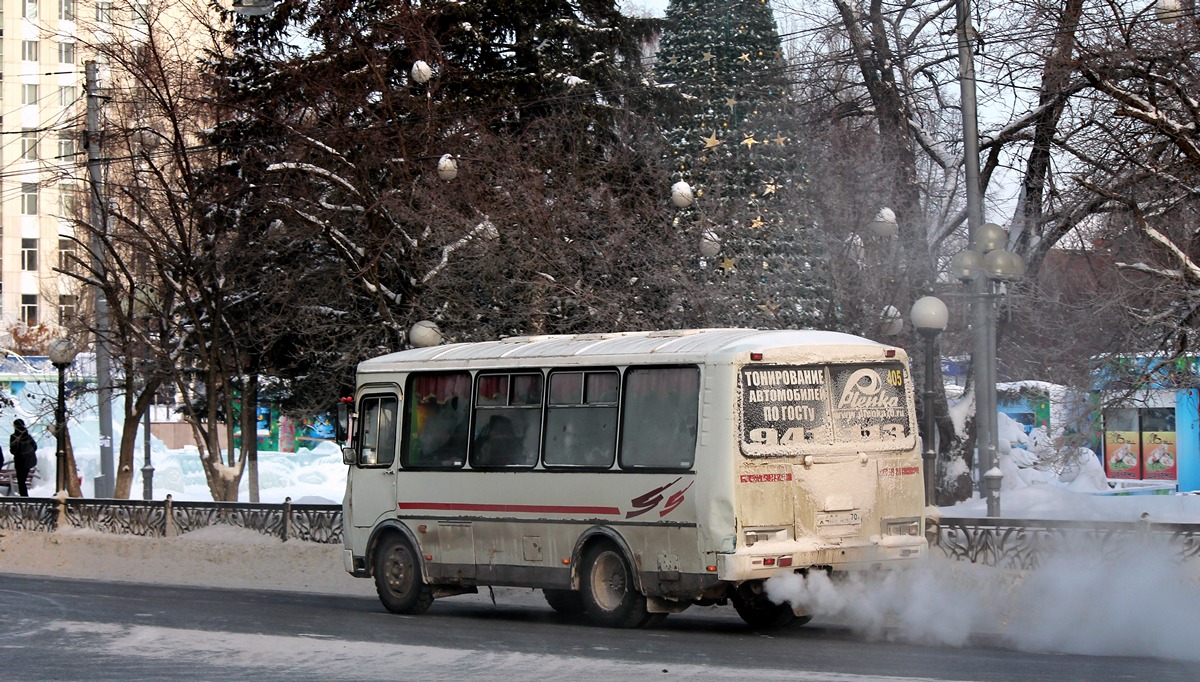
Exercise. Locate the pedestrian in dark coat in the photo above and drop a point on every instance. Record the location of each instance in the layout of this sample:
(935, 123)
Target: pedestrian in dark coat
(23, 449)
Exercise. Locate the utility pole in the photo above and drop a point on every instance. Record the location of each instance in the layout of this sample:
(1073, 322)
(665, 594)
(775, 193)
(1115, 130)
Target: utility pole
(104, 485)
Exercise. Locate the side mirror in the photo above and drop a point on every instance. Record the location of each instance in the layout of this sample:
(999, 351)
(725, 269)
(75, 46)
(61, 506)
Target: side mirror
(349, 456)
(342, 423)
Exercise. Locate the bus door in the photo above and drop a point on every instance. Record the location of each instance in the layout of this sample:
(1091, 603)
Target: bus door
(372, 479)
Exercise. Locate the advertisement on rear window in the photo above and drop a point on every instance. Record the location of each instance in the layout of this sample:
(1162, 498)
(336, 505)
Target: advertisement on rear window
(785, 409)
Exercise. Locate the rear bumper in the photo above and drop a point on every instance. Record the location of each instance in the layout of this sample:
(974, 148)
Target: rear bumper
(766, 559)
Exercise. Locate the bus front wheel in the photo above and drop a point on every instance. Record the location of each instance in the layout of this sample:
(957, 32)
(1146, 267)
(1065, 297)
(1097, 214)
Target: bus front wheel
(398, 578)
(610, 597)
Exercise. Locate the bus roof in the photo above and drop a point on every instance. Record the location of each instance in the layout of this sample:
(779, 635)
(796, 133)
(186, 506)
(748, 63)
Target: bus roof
(669, 346)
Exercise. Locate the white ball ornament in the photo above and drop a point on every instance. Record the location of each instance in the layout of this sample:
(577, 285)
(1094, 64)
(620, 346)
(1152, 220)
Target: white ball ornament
(891, 323)
(421, 72)
(424, 334)
(447, 167)
(710, 244)
(884, 225)
(1167, 11)
(681, 194)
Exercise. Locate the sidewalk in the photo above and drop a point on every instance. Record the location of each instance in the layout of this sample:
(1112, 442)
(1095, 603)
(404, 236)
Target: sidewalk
(217, 556)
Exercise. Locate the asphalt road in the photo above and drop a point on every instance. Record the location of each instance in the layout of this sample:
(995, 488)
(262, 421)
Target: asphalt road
(59, 629)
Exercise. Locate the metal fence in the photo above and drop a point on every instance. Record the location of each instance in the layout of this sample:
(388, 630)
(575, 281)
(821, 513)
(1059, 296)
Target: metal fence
(1028, 543)
(1003, 543)
(163, 518)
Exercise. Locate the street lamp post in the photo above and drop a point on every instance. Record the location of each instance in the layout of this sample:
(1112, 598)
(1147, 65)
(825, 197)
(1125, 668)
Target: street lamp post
(62, 354)
(929, 316)
(144, 303)
(982, 267)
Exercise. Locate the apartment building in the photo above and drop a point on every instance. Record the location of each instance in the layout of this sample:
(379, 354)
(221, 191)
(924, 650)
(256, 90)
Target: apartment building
(40, 122)
(43, 177)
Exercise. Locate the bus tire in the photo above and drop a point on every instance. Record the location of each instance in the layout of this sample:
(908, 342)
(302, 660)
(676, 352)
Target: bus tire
(759, 612)
(565, 602)
(610, 597)
(398, 577)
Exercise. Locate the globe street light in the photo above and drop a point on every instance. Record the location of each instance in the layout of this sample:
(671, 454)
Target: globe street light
(890, 321)
(62, 354)
(929, 316)
(984, 266)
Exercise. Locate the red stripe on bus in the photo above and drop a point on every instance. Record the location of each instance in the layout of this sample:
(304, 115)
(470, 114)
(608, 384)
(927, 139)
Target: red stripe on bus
(516, 508)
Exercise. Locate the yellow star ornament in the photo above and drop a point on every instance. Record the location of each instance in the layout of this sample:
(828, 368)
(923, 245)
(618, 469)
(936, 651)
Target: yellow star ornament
(757, 222)
(711, 141)
(726, 264)
(749, 141)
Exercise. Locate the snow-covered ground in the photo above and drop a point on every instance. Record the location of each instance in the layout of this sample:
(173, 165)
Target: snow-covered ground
(1072, 605)
(216, 556)
(1099, 606)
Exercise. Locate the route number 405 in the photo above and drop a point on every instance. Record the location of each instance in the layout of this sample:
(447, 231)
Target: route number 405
(770, 437)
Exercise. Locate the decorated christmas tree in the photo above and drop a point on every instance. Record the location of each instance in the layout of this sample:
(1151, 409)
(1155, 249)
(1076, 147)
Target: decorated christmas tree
(734, 144)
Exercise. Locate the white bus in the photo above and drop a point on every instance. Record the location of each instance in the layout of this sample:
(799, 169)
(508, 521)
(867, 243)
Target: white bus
(630, 475)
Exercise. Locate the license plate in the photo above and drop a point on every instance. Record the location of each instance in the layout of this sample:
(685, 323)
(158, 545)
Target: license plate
(838, 519)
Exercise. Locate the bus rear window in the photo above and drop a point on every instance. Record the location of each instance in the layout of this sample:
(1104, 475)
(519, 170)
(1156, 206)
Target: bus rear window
(788, 409)
(659, 424)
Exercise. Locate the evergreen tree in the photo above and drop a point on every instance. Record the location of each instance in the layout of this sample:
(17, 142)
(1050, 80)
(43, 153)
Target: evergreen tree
(335, 156)
(733, 139)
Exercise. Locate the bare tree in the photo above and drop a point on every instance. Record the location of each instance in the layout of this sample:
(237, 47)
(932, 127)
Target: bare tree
(157, 259)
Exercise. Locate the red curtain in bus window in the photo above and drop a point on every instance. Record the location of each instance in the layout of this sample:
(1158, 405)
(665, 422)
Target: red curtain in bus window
(493, 390)
(441, 387)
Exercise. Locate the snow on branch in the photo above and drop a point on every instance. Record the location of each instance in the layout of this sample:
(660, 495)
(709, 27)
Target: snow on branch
(1137, 107)
(316, 170)
(1157, 272)
(485, 228)
(1188, 267)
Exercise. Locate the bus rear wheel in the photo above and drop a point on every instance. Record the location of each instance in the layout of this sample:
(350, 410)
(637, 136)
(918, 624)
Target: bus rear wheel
(758, 611)
(398, 578)
(609, 595)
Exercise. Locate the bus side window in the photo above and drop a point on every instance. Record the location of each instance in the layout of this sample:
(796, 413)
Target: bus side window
(581, 420)
(508, 420)
(437, 406)
(378, 424)
(659, 417)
